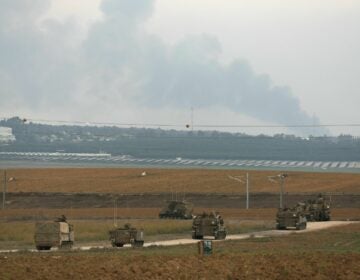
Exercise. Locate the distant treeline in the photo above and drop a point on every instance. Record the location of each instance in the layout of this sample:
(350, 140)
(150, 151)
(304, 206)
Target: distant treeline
(160, 143)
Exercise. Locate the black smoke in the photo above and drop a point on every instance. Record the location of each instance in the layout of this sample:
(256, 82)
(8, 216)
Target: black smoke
(120, 64)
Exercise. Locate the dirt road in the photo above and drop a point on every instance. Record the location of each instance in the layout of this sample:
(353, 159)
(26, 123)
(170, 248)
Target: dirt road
(311, 226)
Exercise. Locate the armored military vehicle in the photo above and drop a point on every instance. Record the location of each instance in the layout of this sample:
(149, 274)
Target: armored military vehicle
(291, 217)
(126, 235)
(208, 225)
(317, 210)
(54, 234)
(177, 210)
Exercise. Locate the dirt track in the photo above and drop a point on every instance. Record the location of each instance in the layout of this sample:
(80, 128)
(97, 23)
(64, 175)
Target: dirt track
(311, 226)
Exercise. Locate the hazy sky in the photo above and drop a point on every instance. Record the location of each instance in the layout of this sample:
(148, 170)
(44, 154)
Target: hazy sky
(234, 62)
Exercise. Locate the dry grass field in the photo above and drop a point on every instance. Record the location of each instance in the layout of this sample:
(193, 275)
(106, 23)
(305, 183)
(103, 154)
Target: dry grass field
(20, 235)
(92, 225)
(123, 180)
(330, 254)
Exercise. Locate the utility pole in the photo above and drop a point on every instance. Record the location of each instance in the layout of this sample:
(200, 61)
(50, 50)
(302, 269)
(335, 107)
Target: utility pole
(247, 190)
(239, 179)
(280, 178)
(4, 191)
(192, 119)
(115, 212)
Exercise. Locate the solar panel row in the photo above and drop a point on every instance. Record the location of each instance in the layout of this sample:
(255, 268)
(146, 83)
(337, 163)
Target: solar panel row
(124, 160)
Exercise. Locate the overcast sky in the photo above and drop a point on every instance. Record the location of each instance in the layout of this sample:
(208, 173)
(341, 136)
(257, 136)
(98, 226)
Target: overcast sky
(234, 62)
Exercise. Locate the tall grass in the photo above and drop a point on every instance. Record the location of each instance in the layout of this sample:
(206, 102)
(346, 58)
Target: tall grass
(17, 231)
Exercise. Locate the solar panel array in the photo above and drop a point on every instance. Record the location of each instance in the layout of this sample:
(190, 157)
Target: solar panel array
(129, 160)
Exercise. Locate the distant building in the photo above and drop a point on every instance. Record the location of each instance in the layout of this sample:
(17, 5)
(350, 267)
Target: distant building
(6, 134)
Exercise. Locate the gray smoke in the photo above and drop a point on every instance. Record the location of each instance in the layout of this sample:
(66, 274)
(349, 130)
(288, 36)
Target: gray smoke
(119, 63)
(36, 65)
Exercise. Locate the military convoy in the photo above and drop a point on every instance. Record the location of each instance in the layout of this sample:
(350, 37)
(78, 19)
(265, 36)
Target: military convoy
(208, 225)
(60, 233)
(317, 210)
(298, 216)
(54, 234)
(291, 217)
(126, 235)
(177, 210)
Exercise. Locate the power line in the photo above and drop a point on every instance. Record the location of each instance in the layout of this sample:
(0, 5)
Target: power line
(281, 126)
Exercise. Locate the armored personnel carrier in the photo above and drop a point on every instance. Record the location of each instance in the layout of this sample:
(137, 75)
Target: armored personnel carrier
(54, 234)
(177, 210)
(126, 235)
(317, 210)
(208, 225)
(291, 217)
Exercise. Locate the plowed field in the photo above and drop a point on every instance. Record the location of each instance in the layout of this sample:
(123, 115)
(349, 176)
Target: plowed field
(123, 180)
(331, 254)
